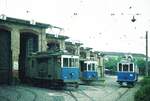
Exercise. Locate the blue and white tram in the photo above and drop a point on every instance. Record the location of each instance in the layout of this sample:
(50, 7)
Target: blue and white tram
(127, 72)
(70, 68)
(88, 70)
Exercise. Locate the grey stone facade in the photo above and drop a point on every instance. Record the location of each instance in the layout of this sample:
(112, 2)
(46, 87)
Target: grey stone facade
(16, 27)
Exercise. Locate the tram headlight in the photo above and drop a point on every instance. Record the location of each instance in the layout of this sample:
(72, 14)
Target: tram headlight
(65, 77)
(131, 74)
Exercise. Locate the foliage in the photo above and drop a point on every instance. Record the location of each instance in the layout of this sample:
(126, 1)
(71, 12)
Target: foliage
(141, 65)
(145, 81)
(111, 64)
(143, 93)
(140, 62)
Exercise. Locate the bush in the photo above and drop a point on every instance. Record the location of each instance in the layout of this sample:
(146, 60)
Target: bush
(143, 93)
(145, 81)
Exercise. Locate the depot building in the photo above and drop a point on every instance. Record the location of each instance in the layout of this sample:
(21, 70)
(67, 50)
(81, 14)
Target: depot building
(18, 38)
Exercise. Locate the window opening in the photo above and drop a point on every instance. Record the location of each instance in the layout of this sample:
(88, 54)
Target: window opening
(65, 62)
(131, 67)
(93, 66)
(120, 67)
(125, 67)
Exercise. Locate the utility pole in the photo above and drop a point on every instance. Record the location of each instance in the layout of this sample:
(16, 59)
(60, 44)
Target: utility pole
(146, 70)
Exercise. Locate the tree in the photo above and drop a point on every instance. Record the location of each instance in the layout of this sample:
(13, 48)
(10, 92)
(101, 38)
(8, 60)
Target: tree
(111, 64)
(140, 64)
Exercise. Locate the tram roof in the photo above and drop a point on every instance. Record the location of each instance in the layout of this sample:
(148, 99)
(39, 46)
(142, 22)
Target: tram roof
(50, 53)
(122, 54)
(59, 36)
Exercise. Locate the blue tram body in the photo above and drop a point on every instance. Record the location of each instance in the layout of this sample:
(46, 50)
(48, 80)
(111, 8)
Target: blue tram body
(127, 76)
(88, 70)
(68, 74)
(56, 68)
(127, 72)
(89, 75)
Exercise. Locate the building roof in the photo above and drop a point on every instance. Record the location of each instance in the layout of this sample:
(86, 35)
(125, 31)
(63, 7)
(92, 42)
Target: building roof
(24, 22)
(62, 37)
(122, 54)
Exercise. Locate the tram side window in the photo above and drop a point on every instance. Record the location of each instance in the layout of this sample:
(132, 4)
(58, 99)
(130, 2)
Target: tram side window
(120, 67)
(65, 62)
(131, 67)
(93, 66)
(125, 67)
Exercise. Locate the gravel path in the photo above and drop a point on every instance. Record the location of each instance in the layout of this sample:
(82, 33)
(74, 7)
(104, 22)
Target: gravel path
(108, 91)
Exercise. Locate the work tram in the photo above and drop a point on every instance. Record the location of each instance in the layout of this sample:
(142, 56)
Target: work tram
(127, 72)
(88, 70)
(56, 69)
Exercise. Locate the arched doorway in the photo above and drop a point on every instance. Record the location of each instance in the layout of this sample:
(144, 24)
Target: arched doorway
(28, 44)
(5, 57)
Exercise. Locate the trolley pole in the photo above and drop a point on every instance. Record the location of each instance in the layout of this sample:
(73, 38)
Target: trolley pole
(146, 69)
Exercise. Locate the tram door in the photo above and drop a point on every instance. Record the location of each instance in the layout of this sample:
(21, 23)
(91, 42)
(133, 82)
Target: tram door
(5, 57)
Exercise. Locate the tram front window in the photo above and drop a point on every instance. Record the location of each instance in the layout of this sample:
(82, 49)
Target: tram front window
(93, 66)
(89, 67)
(76, 62)
(65, 62)
(125, 67)
(120, 67)
(131, 67)
(73, 62)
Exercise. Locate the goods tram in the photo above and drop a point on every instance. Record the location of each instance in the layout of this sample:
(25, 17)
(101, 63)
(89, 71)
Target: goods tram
(58, 69)
(127, 72)
(88, 70)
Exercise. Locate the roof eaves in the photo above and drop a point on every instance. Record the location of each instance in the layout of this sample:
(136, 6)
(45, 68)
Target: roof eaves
(26, 22)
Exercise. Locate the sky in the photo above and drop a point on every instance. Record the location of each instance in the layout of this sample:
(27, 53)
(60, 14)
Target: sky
(103, 25)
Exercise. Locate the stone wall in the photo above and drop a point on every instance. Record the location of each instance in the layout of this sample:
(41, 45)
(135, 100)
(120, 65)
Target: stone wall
(16, 30)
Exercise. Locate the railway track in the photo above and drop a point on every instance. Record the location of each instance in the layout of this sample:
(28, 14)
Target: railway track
(72, 95)
(86, 95)
(4, 98)
(16, 91)
(122, 94)
(30, 91)
(20, 93)
(10, 89)
(79, 91)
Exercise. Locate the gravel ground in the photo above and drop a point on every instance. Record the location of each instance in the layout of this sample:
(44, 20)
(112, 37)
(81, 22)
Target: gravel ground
(97, 91)
(129, 96)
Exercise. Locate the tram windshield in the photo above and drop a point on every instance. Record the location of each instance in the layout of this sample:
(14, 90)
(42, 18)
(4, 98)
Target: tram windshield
(126, 67)
(120, 67)
(131, 67)
(91, 67)
(70, 62)
(65, 62)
